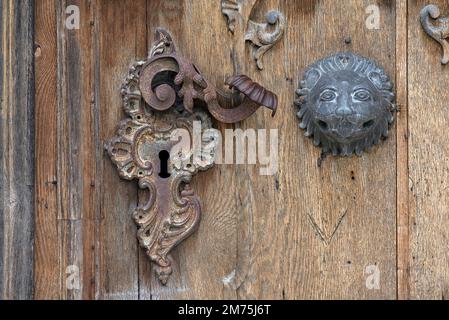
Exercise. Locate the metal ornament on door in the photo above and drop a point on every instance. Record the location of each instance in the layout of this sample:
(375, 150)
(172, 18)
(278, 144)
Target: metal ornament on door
(440, 31)
(346, 104)
(160, 97)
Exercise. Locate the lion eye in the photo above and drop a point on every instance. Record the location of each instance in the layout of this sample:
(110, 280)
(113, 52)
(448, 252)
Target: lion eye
(328, 95)
(362, 95)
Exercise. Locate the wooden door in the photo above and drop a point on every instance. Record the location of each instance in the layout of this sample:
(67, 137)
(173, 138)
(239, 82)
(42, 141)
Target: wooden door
(310, 231)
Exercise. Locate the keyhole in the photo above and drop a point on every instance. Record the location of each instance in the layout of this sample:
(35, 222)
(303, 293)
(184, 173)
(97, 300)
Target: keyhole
(163, 157)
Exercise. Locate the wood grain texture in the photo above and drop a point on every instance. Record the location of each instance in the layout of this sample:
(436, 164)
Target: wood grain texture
(307, 232)
(47, 277)
(316, 229)
(428, 160)
(205, 258)
(67, 150)
(16, 149)
(76, 151)
(84, 213)
(402, 173)
(122, 41)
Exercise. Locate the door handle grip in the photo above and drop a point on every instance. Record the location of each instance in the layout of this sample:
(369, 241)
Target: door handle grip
(193, 85)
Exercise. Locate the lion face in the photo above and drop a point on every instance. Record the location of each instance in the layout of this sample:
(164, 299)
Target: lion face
(345, 104)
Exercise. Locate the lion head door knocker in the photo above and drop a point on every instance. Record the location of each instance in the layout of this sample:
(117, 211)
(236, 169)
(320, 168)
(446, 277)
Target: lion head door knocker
(439, 32)
(345, 103)
(164, 94)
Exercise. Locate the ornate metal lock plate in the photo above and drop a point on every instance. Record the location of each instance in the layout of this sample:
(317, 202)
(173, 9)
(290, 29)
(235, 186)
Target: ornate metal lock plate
(345, 103)
(440, 32)
(159, 97)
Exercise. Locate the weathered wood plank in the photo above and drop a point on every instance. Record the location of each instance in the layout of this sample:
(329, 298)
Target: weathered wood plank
(428, 160)
(403, 263)
(47, 275)
(203, 260)
(74, 237)
(316, 229)
(307, 232)
(122, 41)
(258, 195)
(352, 202)
(90, 206)
(16, 149)
(78, 150)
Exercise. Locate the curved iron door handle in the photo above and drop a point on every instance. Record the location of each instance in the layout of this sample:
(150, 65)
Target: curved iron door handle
(193, 85)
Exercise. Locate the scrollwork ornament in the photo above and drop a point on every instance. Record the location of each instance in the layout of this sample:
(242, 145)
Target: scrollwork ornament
(265, 35)
(172, 211)
(440, 31)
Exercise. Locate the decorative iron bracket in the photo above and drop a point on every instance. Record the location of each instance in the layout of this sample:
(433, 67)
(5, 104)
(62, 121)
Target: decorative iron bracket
(264, 36)
(440, 32)
(159, 97)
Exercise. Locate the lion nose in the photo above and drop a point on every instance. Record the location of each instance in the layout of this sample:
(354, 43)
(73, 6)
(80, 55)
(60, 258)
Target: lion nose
(344, 110)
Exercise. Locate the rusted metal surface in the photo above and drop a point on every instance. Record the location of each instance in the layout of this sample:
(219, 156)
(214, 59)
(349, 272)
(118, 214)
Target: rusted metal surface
(172, 211)
(159, 96)
(255, 92)
(167, 77)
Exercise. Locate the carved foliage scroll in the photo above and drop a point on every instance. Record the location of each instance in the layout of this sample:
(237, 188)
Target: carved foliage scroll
(437, 27)
(265, 35)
